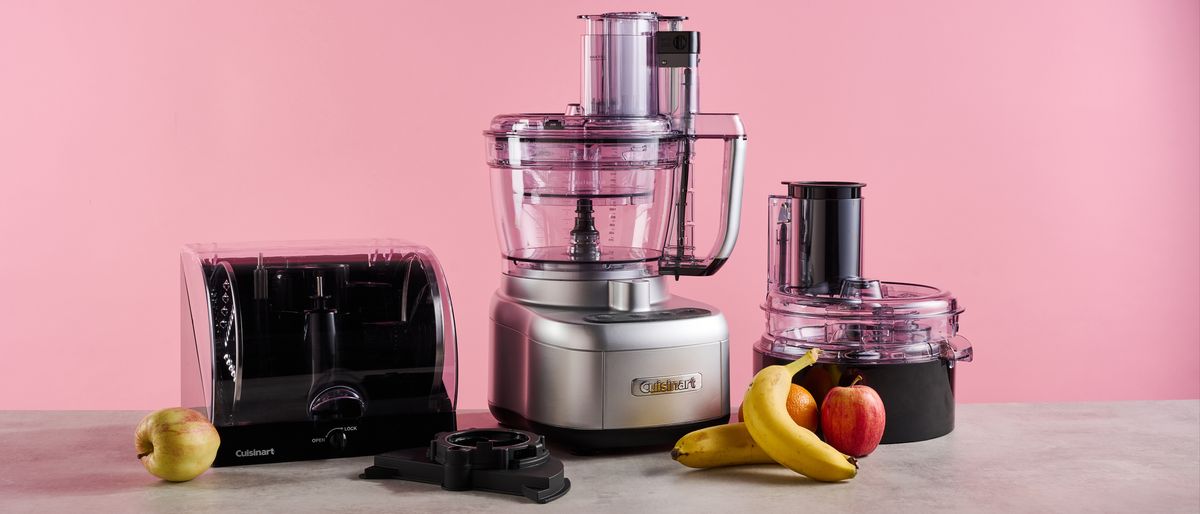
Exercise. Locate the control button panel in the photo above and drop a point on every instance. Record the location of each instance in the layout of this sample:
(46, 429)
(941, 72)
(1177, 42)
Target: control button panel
(634, 317)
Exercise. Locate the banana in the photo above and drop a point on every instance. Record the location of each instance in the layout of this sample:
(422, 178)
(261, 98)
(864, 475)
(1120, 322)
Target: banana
(721, 445)
(789, 444)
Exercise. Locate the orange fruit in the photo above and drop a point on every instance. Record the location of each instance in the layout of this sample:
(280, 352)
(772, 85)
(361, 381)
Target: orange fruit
(801, 406)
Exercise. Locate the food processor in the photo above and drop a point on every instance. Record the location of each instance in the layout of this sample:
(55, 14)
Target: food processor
(594, 210)
(901, 338)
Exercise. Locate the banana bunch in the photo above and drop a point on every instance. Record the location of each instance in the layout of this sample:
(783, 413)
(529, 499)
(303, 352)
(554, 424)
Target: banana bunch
(768, 435)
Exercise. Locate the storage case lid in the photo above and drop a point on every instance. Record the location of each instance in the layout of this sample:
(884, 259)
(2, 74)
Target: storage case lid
(215, 310)
(385, 248)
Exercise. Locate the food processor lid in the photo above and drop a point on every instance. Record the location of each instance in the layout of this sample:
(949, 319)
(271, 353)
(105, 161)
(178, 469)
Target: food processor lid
(793, 343)
(817, 296)
(574, 126)
(867, 299)
(868, 322)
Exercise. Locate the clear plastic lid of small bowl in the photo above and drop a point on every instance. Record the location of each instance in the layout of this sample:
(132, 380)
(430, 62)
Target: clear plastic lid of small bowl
(566, 142)
(574, 125)
(868, 322)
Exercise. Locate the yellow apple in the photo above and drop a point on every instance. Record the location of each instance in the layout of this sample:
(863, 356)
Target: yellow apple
(176, 444)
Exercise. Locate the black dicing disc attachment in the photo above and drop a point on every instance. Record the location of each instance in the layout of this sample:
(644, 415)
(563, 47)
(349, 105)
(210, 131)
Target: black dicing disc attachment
(488, 459)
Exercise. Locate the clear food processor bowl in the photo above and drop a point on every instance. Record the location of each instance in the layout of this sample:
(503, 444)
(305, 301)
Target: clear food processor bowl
(582, 193)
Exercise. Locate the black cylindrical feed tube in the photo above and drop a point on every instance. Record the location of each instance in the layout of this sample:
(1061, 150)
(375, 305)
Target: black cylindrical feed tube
(829, 234)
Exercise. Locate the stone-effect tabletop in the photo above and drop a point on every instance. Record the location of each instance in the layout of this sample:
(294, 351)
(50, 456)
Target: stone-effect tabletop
(1137, 457)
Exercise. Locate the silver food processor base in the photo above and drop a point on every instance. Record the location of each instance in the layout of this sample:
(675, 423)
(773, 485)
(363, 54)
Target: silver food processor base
(609, 364)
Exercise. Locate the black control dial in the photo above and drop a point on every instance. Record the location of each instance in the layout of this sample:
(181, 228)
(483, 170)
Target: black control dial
(337, 439)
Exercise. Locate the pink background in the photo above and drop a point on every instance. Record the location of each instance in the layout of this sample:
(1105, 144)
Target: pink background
(1040, 159)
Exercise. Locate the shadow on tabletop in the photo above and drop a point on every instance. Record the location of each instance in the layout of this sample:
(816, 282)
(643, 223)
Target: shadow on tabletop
(749, 474)
(401, 488)
(756, 474)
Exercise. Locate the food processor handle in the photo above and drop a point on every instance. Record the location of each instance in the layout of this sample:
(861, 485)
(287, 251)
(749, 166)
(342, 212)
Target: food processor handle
(731, 211)
(676, 260)
(677, 53)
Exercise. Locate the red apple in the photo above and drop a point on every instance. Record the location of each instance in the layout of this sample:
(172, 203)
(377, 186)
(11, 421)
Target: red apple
(852, 419)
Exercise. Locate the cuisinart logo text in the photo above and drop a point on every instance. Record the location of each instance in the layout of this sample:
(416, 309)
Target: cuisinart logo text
(255, 453)
(666, 385)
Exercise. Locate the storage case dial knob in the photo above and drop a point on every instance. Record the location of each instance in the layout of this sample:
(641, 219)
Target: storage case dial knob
(337, 439)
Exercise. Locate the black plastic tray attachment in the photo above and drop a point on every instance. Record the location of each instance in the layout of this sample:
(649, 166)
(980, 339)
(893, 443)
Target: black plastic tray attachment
(493, 459)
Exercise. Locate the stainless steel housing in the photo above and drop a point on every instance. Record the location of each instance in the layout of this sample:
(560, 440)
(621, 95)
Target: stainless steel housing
(553, 364)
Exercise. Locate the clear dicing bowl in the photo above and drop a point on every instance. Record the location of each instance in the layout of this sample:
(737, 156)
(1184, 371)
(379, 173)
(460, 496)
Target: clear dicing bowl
(545, 166)
(905, 323)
